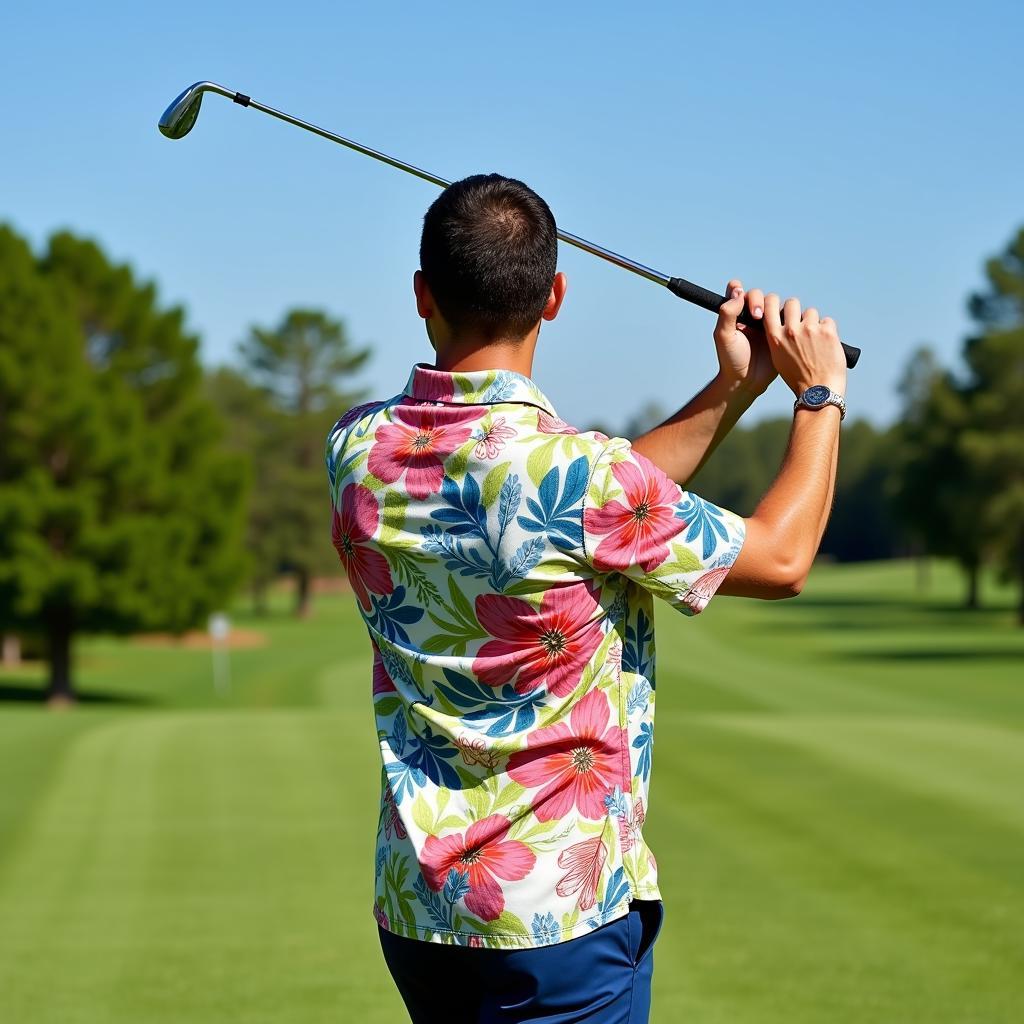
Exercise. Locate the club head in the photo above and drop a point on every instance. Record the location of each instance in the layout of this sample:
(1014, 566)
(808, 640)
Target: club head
(177, 120)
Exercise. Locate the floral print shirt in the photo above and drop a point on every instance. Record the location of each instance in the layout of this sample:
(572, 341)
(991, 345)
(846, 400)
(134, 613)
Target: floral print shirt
(505, 566)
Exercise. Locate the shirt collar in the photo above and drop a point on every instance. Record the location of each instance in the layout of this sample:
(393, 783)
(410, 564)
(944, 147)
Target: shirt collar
(474, 387)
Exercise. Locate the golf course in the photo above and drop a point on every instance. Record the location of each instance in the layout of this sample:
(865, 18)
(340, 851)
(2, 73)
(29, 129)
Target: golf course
(837, 809)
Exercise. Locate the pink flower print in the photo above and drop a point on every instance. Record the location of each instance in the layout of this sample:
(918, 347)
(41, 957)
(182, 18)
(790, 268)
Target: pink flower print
(637, 528)
(577, 764)
(351, 528)
(482, 853)
(389, 812)
(553, 643)
(548, 424)
(585, 861)
(433, 385)
(703, 589)
(491, 443)
(615, 658)
(629, 828)
(416, 444)
(382, 682)
(380, 915)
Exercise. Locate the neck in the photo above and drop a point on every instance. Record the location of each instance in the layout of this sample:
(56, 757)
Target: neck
(466, 356)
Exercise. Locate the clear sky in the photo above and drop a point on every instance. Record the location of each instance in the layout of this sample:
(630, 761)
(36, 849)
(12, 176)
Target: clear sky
(866, 157)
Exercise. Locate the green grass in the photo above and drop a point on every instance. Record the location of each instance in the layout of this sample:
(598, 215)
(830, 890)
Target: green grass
(837, 808)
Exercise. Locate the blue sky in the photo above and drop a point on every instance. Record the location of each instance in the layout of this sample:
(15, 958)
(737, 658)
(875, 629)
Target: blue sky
(865, 157)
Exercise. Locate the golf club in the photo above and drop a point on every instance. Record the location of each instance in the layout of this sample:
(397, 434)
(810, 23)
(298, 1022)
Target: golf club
(180, 117)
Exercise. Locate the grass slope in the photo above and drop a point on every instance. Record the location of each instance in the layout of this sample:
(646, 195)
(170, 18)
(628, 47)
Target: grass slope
(837, 809)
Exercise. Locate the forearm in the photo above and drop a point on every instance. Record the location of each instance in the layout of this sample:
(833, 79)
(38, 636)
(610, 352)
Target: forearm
(682, 444)
(797, 506)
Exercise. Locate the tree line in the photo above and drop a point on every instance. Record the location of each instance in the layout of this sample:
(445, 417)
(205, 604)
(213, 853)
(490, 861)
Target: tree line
(946, 479)
(140, 491)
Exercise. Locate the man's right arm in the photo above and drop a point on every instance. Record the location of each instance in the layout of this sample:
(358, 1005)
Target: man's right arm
(783, 534)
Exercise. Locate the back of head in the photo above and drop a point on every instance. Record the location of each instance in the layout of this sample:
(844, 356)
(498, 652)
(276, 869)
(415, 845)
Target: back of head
(489, 252)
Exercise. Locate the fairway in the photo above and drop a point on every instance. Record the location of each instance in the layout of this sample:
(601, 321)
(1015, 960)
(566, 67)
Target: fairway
(837, 809)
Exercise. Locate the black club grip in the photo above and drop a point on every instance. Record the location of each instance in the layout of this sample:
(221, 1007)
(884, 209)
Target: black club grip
(712, 301)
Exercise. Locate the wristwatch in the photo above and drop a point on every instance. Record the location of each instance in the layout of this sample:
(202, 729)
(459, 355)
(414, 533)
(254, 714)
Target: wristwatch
(818, 396)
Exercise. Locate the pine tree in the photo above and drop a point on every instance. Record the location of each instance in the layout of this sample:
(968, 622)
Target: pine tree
(304, 366)
(256, 431)
(119, 511)
(934, 491)
(993, 441)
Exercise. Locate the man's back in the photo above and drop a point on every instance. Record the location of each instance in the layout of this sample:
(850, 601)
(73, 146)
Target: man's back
(504, 564)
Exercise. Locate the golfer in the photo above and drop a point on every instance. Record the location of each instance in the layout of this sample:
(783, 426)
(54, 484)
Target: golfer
(505, 564)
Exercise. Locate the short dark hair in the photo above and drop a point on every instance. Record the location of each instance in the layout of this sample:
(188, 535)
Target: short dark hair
(489, 252)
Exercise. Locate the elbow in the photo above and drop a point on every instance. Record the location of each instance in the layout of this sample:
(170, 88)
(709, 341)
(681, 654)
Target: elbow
(792, 588)
(789, 579)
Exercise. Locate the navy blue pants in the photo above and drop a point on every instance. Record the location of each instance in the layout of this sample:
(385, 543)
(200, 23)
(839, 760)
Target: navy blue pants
(602, 977)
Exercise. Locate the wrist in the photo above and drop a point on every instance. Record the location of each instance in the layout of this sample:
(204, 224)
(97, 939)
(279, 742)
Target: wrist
(733, 390)
(831, 381)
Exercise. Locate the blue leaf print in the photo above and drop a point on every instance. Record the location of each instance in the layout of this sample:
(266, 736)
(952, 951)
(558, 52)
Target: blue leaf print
(466, 561)
(509, 498)
(404, 779)
(559, 517)
(440, 913)
(456, 885)
(639, 694)
(704, 520)
(389, 616)
(615, 891)
(502, 387)
(616, 803)
(638, 640)
(506, 710)
(643, 743)
(428, 756)
(465, 515)
(396, 741)
(526, 556)
(545, 929)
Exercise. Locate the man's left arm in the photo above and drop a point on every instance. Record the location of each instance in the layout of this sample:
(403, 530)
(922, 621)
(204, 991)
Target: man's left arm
(683, 443)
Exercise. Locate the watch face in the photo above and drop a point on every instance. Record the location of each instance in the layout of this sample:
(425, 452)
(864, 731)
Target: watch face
(817, 395)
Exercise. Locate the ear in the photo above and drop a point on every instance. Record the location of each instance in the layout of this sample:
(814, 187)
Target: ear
(554, 303)
(424, 300)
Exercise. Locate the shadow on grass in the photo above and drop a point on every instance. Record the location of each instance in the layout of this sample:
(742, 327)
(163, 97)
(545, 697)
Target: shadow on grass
(987, 652)
(886, 615)
(14, 692)
(883, 600)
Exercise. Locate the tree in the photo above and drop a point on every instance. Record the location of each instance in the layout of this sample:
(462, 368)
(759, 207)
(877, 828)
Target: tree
(933, 485)
(993, 441)
(118, 509)
(255, 430)
(304, 368)
(862, 525)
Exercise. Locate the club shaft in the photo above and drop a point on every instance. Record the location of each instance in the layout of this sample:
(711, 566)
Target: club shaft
(565, 236)
(176, 115)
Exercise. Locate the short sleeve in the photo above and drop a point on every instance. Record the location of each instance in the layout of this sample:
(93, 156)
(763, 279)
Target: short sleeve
(638, 522)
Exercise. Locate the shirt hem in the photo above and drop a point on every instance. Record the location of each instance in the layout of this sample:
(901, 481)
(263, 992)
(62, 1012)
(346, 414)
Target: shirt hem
(516, 940)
